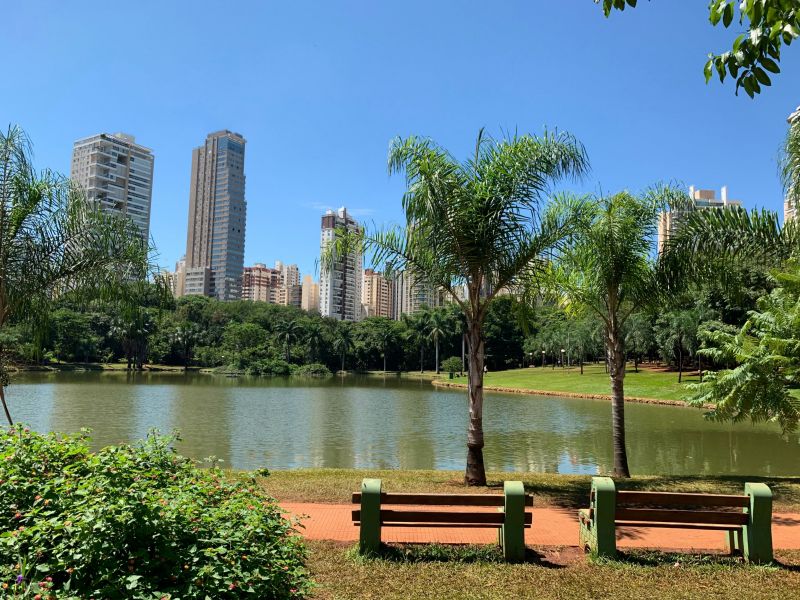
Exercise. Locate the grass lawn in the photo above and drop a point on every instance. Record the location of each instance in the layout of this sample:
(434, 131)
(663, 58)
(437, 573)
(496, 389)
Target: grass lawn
(549, 573)
(647, 383)
(569, 491)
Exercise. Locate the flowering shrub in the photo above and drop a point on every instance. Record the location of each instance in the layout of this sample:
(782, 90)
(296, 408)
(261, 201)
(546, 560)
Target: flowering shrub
(135, 522)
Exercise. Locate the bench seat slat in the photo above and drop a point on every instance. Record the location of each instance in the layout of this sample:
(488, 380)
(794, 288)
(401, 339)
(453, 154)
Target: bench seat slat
(669, 498)
(707, 526)
(443, 525)
(436, 516)
(442, 499)
(681, 516)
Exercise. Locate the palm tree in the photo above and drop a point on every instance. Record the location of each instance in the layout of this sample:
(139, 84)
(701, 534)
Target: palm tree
(437, 328)
(313, 335)
(343, 341)
(52, 239)
(415, 326)
(608, 270)
(479, 223)
(288, 332)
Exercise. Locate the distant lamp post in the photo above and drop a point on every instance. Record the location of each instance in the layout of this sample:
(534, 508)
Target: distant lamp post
(542, 357)
(530, 359)
(562, 358)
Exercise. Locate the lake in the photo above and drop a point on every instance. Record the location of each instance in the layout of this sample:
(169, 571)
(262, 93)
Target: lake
(361, 422)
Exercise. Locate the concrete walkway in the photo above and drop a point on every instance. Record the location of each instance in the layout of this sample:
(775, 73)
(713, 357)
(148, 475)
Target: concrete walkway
(551, 527)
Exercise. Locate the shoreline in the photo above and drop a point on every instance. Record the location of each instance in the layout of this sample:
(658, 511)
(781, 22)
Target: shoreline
(530, 392)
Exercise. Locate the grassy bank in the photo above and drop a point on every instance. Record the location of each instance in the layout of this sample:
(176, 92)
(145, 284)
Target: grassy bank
(568, 491)
(550, 573)
(655, 384)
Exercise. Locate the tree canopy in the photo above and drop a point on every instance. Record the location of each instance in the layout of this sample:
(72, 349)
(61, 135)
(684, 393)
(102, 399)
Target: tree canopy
(768, 24)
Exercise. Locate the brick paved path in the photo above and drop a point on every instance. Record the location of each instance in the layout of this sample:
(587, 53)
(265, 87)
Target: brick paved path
(551, 527)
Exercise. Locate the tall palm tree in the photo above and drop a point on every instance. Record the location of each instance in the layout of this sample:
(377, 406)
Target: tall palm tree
(52, 239)
(343, 341)
(437, 328)
(288, 332)
(609, 271)
(313, 336)
(415, 326)
(478, 223)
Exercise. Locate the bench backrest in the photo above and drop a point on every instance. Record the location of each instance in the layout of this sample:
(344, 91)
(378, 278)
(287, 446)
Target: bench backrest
(669, 507)
(443, 499)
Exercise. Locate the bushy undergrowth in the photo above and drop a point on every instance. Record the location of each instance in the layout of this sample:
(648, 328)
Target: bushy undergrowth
(312, 370)
(136, 521)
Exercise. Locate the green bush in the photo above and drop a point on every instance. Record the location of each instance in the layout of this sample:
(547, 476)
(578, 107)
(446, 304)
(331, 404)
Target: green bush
(451, 365)
(269, 367)
(136, 522)
(312, 370)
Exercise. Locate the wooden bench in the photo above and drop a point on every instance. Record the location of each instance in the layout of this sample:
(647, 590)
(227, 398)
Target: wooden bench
(511, 519)
(746, 519)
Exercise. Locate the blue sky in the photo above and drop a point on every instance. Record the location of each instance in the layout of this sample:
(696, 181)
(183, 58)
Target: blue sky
(318, 88)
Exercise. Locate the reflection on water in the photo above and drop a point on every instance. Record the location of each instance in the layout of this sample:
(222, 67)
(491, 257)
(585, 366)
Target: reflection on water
(377, 423)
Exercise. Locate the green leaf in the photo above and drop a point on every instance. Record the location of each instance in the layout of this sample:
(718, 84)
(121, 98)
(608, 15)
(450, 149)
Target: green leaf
(770, 65)
(762, 76)
(727, 15)
(708, 69)
(738, 42)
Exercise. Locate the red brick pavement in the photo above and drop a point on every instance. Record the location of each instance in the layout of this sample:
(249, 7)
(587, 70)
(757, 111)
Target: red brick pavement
(551, 527)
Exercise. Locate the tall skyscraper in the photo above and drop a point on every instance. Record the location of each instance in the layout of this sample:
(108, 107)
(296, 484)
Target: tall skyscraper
(117, 174)
(217, 216)
(409, 294)
(670, 221)
(376, 295)
(790, 206)
(310, 295)
(340, 285)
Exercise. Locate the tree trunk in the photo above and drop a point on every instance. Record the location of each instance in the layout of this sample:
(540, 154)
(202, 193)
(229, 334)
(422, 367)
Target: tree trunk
(437, 355)
(476, 472)
(342, 363)
(5, 406)
(615, 352)
(680, 365)
(384, 361)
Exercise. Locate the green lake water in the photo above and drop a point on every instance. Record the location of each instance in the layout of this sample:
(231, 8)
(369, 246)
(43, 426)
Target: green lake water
(388, 423)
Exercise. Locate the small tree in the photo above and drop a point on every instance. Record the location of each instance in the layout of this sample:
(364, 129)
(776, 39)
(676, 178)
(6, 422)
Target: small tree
(451, 365)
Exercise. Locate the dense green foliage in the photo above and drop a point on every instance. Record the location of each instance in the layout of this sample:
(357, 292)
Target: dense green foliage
(251, 337)
(763, 384)
(136, 522)
(768, 25)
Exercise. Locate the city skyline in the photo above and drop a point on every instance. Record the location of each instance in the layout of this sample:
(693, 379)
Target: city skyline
(320, 99)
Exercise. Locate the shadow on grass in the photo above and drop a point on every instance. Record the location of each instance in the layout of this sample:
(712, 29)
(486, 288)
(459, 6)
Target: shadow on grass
(447, 553)
(652, 558)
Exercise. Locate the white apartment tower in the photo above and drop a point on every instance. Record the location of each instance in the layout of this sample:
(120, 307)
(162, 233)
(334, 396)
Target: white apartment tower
(790, 206)
(340, 285)
(117, 175)
(671, 220)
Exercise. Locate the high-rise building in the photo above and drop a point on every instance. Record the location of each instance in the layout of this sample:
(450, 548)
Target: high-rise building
(217, 214)
(409, 295)
(309, 299)
(260, 283)
(790, 205)
(340, 284)
(671, 220)
(290, 293)
(117, 175)
(376, 295)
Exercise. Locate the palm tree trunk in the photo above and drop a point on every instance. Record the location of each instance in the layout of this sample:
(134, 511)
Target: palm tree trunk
(5, 406)
(680, 365)
(437, 354)
(616, 370)
(384, 361)
(342, 363)
(476, 471)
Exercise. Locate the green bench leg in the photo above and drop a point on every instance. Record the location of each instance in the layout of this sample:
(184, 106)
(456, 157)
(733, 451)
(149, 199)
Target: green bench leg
(733, 542)
(369, 539)
(512, 532)
(602, 537)
(757, 534)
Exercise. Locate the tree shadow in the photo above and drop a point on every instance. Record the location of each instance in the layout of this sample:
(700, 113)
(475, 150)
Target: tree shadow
(409, 553)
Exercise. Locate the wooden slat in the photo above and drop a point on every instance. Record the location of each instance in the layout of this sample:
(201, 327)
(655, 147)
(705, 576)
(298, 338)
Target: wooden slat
(443, 499)
(681, 516)
(439, 516)
(678, 525)
(443, 525)
(669, 498)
